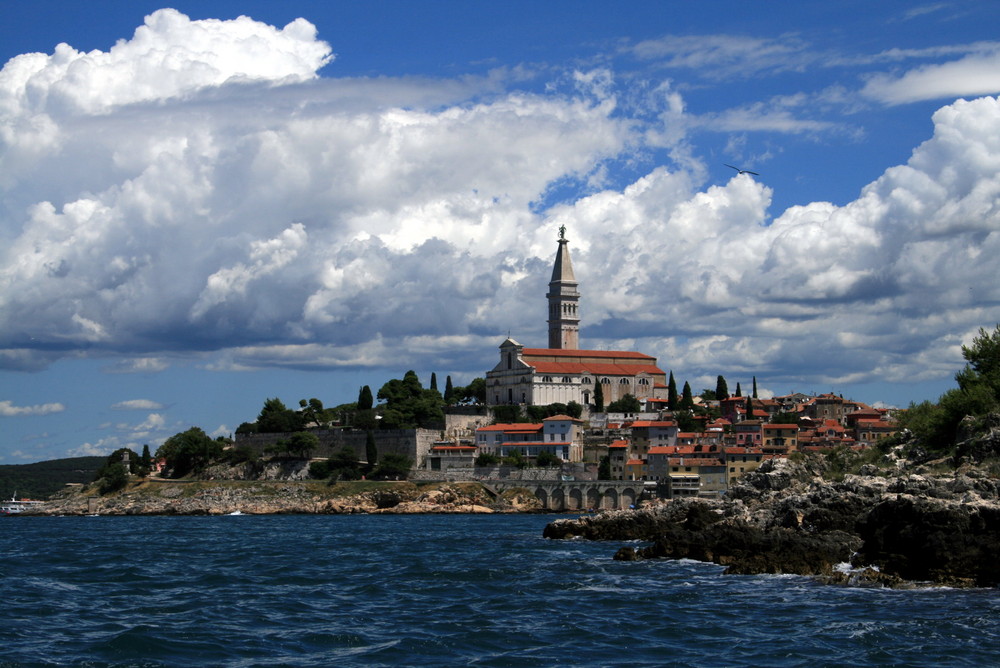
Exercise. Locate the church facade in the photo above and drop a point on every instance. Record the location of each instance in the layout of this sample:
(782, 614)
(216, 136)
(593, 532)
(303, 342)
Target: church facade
(563, 372)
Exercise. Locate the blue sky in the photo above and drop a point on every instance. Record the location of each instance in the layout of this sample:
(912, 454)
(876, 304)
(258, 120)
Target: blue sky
(200, 211)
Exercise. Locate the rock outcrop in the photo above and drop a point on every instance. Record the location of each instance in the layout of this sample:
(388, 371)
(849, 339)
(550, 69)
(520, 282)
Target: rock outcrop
(784, 518)
(258, 497)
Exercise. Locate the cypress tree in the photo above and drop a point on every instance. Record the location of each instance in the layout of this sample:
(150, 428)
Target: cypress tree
(755, 387)
(371, 452)
(449, 389)
(749, 408)
(687, 399)
(721, 389)
(672, 392)
(599, 397)
(365, 400)
(434, 381)
(739, 393)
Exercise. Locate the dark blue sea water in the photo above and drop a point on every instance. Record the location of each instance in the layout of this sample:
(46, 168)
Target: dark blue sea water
(435, 590)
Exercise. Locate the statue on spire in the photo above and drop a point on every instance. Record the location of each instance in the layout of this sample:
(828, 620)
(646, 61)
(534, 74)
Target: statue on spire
(562, 231)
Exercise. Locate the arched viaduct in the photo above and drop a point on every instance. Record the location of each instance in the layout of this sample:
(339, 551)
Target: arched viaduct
(580, 495)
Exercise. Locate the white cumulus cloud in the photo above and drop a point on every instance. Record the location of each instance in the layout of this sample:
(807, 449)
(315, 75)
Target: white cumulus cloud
(8, 409)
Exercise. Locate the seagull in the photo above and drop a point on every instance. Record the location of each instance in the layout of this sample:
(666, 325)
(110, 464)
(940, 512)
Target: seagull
(742, 171)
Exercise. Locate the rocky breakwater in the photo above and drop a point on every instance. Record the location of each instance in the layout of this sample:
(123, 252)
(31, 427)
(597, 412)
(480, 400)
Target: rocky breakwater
(885, 529)
(258, 497)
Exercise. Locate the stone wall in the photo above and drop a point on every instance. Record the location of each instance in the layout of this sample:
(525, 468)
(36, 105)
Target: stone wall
(412, 443)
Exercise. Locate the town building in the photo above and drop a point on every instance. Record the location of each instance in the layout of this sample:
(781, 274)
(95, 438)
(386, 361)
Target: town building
(559, 435)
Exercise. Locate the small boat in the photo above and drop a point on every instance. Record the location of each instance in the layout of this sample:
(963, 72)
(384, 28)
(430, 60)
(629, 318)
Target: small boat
(14, 506)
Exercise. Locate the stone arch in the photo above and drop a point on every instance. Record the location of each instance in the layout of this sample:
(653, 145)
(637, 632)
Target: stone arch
(575, 501)
(543, 497)
(557, 500)
(593, 497)
(628, 497)
(610, 500)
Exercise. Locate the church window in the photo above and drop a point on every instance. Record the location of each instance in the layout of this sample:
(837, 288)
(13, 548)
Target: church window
(566, 379)
(510, 361)
(643, 381)
(587, 380)
(546, 379)
(605, 381)
(623, 381)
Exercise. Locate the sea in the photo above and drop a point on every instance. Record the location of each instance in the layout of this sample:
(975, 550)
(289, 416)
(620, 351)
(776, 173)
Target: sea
(436, 590)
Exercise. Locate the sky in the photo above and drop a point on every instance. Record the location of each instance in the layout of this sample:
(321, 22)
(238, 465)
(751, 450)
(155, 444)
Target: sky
(204, 205)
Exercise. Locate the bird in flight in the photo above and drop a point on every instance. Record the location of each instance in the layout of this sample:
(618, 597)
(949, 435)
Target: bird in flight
(742, 171)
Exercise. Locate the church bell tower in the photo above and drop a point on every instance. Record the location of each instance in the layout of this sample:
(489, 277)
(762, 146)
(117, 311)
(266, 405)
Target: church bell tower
(564, 300)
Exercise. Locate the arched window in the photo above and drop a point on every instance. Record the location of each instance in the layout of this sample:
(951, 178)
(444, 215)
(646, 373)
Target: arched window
(510, 361)
(587, 380)
(605, 381)
(623, 381)
(546, 379)
(566, 379)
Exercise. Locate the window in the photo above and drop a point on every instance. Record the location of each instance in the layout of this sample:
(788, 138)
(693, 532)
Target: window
(623, 381)
(587, 380)
(546, 379)
(566, 379)
(605, 381)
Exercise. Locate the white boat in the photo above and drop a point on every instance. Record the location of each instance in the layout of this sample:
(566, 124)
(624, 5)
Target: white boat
(13, 506)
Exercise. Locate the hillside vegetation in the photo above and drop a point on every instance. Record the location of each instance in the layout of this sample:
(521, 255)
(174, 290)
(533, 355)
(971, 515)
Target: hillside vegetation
(43, 479)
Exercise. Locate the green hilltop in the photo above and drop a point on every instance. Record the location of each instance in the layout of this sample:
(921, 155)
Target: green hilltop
(43, 479)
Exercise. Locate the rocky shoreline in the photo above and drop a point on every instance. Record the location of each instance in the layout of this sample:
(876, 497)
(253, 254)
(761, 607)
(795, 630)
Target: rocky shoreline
(894, 529)
(260, 497)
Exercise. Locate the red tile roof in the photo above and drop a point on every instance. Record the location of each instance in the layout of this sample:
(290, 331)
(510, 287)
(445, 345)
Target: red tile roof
(558, 352)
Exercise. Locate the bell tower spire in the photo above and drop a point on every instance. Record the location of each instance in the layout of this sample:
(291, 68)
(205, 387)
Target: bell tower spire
(564, 300)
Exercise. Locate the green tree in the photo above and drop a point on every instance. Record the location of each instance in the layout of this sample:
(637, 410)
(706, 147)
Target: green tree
(627, 404)
(434, 381)
(506, 414)
(687, 399)
(516, 459)
(785, 417)
(275, 418)
(189, 451)
(487, 459)
(574, 409)
(755, 387)
(604, 468)
(146, 460)
(547, 459)
(449, 390)
(114, 478)
(408, 404)
(739, 392)
(312, 413)
(365, 399)
(721, 388)
(344, 465)
(371, 450)
(749, 408)
(393, 466)
(301, 444)
(599, 396)
(672, 392)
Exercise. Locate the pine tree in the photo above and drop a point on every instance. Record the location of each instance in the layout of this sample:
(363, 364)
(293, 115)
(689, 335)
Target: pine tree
(672, 392)
(755, 387)
(721, 389)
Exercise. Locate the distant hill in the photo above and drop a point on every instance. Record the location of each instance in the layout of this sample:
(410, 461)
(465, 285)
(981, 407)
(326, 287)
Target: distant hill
(42, 479)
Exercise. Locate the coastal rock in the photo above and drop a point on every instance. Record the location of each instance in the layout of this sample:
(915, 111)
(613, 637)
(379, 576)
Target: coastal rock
(892, 530)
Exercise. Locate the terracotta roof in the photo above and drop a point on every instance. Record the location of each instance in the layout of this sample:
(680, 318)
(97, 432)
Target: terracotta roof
(518, 427)
(635, 462)
(571, 366)
(619, 444)
(558, 352)
(653, 423)
(562, 418)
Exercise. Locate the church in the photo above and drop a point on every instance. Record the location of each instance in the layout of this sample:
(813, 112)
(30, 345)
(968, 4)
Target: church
(563, 372)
